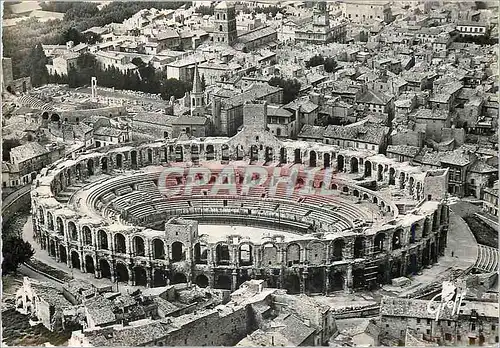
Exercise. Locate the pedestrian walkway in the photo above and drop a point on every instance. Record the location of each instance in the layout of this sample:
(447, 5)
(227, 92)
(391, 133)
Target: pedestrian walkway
(465, 248)
(43, 256)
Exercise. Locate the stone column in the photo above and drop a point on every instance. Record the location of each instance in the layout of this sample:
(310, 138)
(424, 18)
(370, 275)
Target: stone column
(68, 257)
(303, 281)
(56, 248)
(97, 271)
(234, 280)
(83, 267)
(131, 278)
(112, 271)
(348, 279)
(327, 280)
(149, 277)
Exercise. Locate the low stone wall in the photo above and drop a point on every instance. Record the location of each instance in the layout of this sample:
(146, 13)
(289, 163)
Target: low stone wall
(15, 202)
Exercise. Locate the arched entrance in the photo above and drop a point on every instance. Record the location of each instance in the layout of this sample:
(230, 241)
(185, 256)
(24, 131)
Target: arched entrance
(354, 165)
(89, 264)
(139, 248)
(105, 268)
(297, 156)
(202, 281)
(75, 260)
(312, 159)
(326, 160)
(178, 253)
(223, 282)
(158, 249)
(90, 167)
(121, 272)
(292, 284)
(179, 278)
(63, 256)
(140, 276)
(340, 163)
(159, 278)
(120, 243)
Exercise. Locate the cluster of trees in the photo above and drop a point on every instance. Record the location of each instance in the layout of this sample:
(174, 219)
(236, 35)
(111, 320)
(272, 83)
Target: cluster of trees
(7, 145)
(328, 63)
(205, 10)
(291, 88)
(19, 40)
(15, 251)
(145, 78)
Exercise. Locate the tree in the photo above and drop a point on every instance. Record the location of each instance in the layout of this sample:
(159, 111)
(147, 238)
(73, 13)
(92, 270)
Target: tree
(174, 87)
(315, 61)
(72, 34)
(291, 88)
(7, 145)
(15, 252)
(203, 82)
(37, 66)
(330, 64)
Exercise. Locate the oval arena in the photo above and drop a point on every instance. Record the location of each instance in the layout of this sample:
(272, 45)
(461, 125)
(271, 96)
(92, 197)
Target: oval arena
(307, 217)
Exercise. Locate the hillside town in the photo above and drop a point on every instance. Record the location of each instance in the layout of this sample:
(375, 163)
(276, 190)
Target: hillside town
(405, 84)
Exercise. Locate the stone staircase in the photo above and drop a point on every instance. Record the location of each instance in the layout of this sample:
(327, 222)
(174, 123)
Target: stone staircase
(487, 260)
(65, 195)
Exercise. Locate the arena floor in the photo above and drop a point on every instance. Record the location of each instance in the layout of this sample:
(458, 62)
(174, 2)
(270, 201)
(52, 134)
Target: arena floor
(216, 233)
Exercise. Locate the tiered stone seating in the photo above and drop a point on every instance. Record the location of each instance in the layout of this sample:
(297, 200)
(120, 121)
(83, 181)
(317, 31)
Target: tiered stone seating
(123, 190)
(487, 260)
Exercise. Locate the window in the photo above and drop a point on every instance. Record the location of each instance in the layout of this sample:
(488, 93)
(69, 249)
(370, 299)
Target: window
(418, 320)
(428, 331)
(447, 336)
(473, 328)
(459, 338)
(449, 323)
(428, 322)
(493, 327)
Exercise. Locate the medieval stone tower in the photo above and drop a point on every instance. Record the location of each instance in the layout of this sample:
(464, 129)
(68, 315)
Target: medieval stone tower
(197, 99)
(225, 23)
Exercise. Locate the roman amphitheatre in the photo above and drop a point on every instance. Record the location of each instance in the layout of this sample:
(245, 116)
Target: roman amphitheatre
(351, 220)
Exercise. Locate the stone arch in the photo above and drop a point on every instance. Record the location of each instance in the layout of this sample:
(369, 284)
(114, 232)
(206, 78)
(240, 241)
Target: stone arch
(392, 176)
(87, 235)
(179, 154)
(316, 253)
(412, 183)
(45, 115)
(396, 239)
(375, 200)
(120, 243)
(355, 193)
(133, 158)
(336, 280)
(200, 253)
(254, 153)
(297, 159)
(292, 284)
(334, 187)
(55, 118)
(222, 254)
(340, 163)
(269, 254)
(326, 160)
(41, 216)
(210, 152)
(195, 153)
(158, 249)
(105, 268)
(245, 254)
(75, 259)
(223, 282)
(159, 278)
(150, 156)
(179, 278)
(139, 247)
(121, 272)
(201, 280)
(60, 226)
(413, 233)
(345, 189)
(354, 165)
(140, 276)
(379, 242)
(283, 156)
(63, 256)
(359, 247)
(380, 170)
(338, 249)
(103, 240)
(72, 231)
(293, 254)
(269, 154)
(240, 153)
(90, 167)
(104, 164)
(402, 178)
(312, 159)
(368, 168)
(178, 252)
(78, 170)
(89, 264)
(225, 152)
(119, 160)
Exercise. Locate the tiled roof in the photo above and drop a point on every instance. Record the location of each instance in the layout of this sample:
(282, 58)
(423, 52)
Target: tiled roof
(314, 132)
(295, 330)
(374, 97)
(306, 106)
(402, 307)
(480, 166)
(108, 131)
(256, 92)
(194, 120)
(369, 132)
(27, 151)
(435, 114)
(405, 150)
(100, 310)
(256, 34)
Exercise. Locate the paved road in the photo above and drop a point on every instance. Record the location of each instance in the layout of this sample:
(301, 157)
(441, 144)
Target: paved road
(13, 196)
(43, 256)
